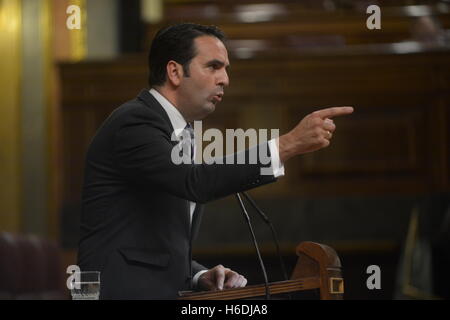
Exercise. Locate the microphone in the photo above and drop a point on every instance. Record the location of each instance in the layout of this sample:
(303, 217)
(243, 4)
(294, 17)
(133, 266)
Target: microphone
(263, 268)
(274, 235)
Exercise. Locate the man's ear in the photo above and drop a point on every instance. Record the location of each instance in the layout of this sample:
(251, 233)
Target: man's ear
(174, 72)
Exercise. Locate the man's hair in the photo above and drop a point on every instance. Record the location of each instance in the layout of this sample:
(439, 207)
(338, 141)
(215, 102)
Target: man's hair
(176, 43)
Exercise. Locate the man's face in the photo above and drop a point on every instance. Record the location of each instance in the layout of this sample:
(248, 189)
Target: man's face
(203, 89)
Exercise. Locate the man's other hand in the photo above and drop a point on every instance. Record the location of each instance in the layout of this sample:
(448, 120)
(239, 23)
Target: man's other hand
(219, 278)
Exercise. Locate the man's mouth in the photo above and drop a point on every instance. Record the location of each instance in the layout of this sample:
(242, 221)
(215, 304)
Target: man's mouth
(217, 98)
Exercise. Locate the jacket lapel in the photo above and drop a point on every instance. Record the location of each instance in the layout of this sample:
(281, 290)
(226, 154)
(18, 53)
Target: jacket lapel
(151, 102)
(196, 218)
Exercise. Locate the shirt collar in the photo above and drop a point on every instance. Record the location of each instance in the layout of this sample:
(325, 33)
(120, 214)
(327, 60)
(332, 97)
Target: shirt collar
(176, 119)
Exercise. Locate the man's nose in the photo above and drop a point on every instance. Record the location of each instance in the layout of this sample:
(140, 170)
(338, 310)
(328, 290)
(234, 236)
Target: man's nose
(223, 79)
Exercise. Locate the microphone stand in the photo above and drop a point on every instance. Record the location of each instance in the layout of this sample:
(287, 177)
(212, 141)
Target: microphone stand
(274, 236)
(263, 268)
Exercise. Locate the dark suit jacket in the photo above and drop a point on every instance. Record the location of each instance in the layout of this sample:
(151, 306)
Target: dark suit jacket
(135, 226)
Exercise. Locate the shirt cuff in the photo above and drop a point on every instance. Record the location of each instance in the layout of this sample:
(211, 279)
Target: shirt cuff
(277, 166)
(195, 278)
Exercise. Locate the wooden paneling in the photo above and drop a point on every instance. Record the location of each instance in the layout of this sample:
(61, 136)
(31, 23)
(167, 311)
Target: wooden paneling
(295, 24)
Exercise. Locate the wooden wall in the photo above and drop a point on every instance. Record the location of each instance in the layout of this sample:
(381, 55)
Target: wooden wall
(303, 24)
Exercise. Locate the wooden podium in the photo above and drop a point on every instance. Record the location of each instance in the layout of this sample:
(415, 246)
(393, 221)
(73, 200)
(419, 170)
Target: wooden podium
(318, 268)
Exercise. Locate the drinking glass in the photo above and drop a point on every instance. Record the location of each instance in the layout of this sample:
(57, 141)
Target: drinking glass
(85, 286)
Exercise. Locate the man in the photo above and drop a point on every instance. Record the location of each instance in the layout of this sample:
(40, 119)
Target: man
(140, 209)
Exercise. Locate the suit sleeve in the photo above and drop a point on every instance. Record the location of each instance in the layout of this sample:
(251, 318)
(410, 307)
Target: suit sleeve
(196, 267)
(142, 154)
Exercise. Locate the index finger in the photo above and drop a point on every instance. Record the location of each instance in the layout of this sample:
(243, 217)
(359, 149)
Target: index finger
(232, 278)
(333, 112)
(220, 277)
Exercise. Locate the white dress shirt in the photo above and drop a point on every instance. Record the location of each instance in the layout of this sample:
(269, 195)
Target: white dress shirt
(179, 124)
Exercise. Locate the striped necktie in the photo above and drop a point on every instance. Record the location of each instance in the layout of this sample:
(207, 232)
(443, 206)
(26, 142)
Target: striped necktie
(190, 130)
